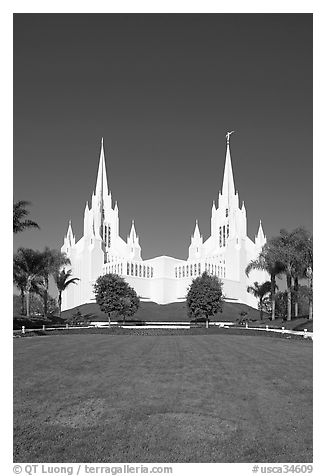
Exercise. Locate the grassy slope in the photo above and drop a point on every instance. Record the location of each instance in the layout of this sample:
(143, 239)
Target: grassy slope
(205, 398)
(150, 311)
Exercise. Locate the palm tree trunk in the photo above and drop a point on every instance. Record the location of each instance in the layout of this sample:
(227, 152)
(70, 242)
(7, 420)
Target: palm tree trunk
(28, 288)
(59, 302)
(288, 290)
(296, 296)
(109, 319)
(22, 301)
(310, 299)
(45, 297)
(273, 286)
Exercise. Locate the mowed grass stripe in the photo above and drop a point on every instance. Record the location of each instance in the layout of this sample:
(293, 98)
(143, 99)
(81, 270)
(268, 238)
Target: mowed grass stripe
(162, 398)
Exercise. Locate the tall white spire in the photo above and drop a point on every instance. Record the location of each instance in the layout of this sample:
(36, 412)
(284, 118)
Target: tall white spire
(228, 189)
(101, 182)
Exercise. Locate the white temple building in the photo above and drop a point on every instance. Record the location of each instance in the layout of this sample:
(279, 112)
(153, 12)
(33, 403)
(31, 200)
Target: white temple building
(163, 279)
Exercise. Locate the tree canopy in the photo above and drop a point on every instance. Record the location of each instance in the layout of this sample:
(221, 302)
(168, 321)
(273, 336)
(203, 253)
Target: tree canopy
(205, 297)
(114, 295)
(20, 223)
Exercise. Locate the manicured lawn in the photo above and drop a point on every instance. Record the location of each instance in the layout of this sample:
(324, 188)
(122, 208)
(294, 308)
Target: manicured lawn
(196, 398)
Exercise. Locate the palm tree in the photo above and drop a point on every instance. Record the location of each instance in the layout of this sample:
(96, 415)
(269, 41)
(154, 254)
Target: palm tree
(287, 254)
(294, 251)
(62, 280)
(267, 261)
(53, 260)
(28, 266)
(302, 242)
(260, 291)
(20, 212)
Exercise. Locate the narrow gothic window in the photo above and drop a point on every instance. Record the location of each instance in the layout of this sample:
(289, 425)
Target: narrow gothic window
(191, 270)
(223, 235)
(227, 230)
(132, 269)
(199, 268)
(105, 233)
(136, 270)
(148, 271)
(183, 271)
(227, 212)
(152, 272)
(220, 236)
(187, 271)
(176, 272)
(179, 272)
(195, 269)
(139, 271)
(109, 237)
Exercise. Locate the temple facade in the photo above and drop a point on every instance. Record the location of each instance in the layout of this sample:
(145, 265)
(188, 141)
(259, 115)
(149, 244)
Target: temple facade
(225, 253)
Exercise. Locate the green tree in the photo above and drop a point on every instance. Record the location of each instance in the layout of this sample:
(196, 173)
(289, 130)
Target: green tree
(260, 291)
(294, 251)
(28, 267)
(53, 260)
(303, 244)
(205, 297)
(268, 261)
(110, 292)
(62, 280)
(20, 223)
(129, 304)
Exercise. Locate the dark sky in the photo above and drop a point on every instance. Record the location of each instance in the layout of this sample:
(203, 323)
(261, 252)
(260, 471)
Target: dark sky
(162, 90)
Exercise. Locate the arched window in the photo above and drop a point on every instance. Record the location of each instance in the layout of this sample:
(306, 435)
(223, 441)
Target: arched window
(128, 269)
(152, 272)
(183, 271)
(227, 212)
(220, 241)
(136, 270)
(223, 235)
(227, 230)
(187, 270)
(132, 269)
(195, 269)
(179, 271)
(199, 271)
(191, 270)
(148, 271)
(144, 271)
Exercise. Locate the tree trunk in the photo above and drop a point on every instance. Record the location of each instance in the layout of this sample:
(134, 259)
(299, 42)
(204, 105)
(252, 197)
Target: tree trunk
(22, 298)
(310, 299)
(310, 309)
(109, 319)
(59, 303)
(261, 308)
(45, 298)
(28, 288)
(273, 286)
(288, 290)
(296, 297)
